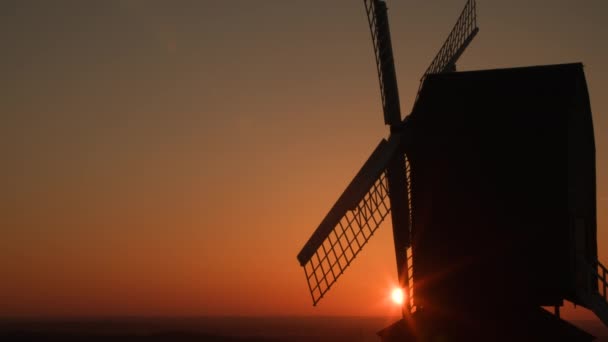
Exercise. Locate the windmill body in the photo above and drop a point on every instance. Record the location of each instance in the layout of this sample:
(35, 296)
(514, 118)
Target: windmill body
(496, 206)
(490, 184)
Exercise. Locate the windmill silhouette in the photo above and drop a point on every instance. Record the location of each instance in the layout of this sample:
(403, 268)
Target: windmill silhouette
(488, 222)
(363, 206)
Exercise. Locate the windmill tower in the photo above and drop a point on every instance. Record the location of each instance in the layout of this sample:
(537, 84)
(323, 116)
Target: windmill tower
(488, 223)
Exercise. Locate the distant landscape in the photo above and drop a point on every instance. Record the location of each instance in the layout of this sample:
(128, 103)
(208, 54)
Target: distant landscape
(213, 329)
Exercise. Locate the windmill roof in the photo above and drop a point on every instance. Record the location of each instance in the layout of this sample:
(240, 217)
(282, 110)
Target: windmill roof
(475, 100)
(520, 83)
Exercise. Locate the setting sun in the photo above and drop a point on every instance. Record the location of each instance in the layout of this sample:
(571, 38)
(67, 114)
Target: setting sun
(397, 296)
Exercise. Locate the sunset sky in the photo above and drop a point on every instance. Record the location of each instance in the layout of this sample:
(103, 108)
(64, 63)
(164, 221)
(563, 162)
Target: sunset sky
(172, 157)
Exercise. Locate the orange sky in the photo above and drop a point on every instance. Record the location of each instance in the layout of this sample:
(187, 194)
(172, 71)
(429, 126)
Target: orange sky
(172, 157)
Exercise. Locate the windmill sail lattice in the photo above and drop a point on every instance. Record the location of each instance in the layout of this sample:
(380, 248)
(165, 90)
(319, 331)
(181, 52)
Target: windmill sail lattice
(460, 37)
(385, 64)
(349, 224)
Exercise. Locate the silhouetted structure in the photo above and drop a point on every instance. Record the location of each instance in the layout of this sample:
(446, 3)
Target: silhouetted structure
(490, 183)
(503, 186)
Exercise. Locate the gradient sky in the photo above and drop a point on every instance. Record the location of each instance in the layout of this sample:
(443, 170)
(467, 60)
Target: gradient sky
(172, 157)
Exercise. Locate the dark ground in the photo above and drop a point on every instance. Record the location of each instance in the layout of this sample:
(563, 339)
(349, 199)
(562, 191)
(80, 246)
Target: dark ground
(225, 329)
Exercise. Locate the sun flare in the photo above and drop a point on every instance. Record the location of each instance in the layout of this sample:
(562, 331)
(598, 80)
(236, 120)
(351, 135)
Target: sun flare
(397, 296)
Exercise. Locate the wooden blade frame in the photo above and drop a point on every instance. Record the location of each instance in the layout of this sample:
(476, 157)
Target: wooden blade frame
(350, 223)
(377, 18)
(398, 177)
(461, 36)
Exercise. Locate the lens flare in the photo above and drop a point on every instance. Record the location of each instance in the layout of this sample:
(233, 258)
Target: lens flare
(398, 296)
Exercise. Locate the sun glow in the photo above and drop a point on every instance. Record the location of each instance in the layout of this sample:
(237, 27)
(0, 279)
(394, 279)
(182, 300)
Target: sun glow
(398, 296)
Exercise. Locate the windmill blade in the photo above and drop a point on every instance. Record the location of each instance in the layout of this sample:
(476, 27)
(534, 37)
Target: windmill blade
(461, 36)
(383, 51)
(350, 223)
(398, 188)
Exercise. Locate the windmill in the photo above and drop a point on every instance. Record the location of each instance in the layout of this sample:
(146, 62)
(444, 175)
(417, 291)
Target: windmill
(489, 224)
(383, 183)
